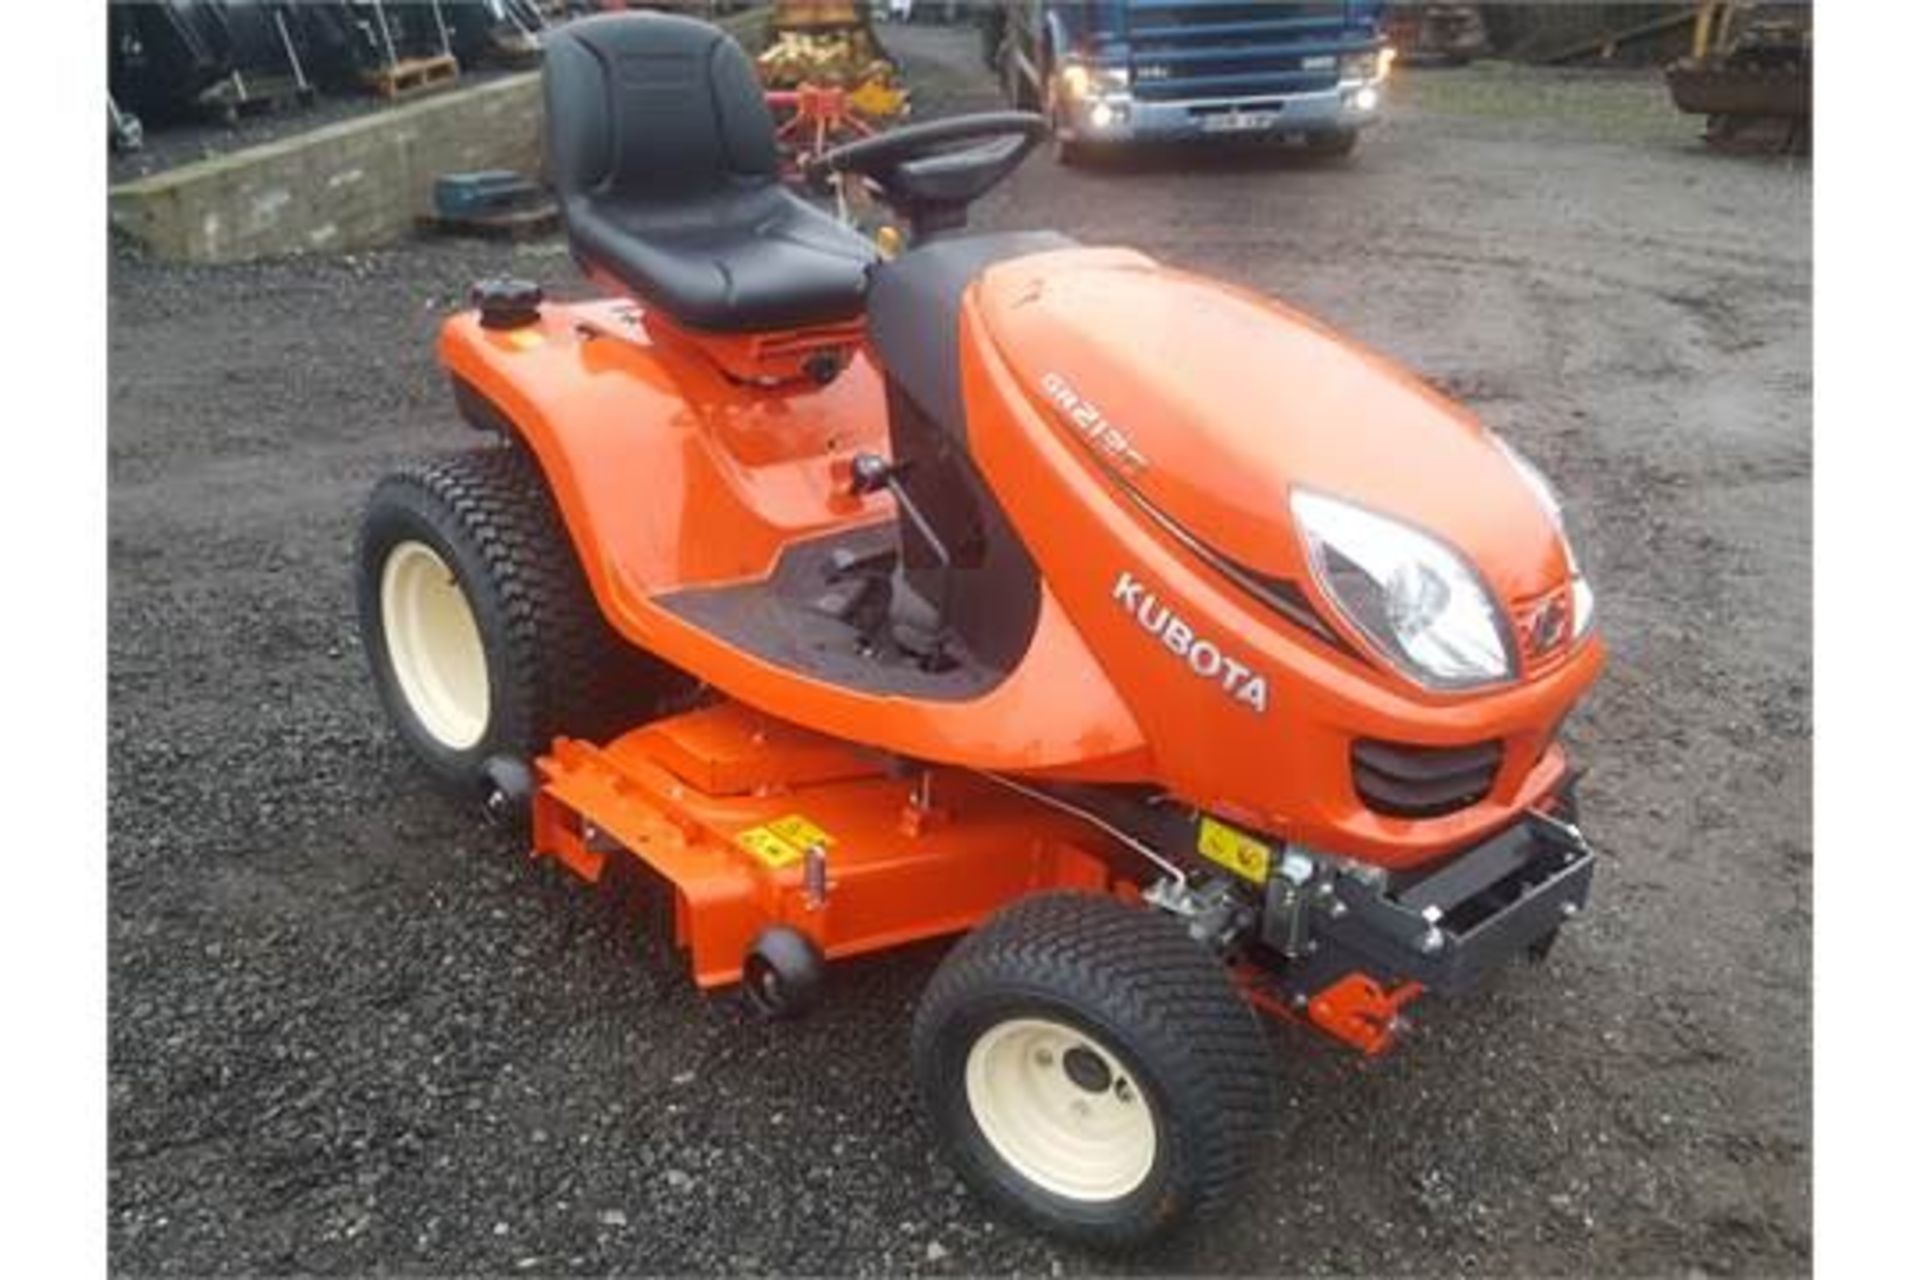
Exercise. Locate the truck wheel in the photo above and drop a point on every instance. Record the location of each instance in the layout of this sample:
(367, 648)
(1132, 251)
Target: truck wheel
(1090, 1068)
(478, 623)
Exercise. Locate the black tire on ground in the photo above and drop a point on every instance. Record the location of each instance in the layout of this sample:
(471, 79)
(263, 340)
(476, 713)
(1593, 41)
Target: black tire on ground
(552, 663)
(1333, 143)
(1162, 1015)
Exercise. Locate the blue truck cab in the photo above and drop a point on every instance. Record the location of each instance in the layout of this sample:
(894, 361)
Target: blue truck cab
(1110, 72)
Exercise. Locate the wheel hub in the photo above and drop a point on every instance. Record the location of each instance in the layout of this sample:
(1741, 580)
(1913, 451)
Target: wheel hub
(1061, 1109)
(1087, 1069)
(433, 645)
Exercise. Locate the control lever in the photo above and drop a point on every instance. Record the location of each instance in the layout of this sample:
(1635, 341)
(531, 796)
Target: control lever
(871, 473)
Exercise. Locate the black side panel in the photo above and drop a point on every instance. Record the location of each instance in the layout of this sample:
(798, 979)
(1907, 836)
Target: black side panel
(913, 318)
(913, 314)
(994, 588)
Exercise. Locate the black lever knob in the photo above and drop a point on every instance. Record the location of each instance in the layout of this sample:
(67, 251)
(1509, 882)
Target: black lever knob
(871, 473)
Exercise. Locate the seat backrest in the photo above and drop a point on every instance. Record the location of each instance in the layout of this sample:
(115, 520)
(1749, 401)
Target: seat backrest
(652, 106)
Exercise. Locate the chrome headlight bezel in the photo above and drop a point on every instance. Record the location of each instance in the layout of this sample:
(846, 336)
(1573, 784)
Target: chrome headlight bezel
(1084, 81)
(1549, 498)
(1479, 653)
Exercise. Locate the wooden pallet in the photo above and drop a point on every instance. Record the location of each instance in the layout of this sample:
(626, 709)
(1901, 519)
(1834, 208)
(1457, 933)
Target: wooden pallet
(413, 76)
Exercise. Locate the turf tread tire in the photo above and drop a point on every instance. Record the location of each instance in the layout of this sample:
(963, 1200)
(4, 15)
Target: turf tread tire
(554, 664)
(1151, 992)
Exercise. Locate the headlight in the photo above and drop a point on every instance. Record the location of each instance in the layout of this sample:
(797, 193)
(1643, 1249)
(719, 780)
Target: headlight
(1420, 605)
(1361, 67)
(1544, 491)
(1081, 80)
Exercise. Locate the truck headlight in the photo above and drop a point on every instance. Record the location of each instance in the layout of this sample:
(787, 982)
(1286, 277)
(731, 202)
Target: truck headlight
(1361, 68)
(1417, 602)
(1085, 80)
(1543, 490)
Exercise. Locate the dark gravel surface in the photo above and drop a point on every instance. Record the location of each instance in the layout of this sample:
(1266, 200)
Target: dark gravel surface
(353, 1031)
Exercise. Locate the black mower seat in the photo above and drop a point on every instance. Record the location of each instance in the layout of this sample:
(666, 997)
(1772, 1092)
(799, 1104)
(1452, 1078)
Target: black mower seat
(661, 150)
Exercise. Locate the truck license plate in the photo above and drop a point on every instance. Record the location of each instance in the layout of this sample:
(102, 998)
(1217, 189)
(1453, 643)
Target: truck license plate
(1240, 121)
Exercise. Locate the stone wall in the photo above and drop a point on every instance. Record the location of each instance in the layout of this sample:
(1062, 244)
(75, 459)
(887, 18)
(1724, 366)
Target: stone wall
(351, 185)
(345, 186)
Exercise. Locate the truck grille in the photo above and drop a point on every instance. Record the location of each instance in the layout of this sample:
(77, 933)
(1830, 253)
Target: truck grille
(1201, 50)
(1404, 781)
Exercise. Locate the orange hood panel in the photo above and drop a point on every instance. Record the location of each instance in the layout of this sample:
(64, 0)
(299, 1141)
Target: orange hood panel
(1213, 402)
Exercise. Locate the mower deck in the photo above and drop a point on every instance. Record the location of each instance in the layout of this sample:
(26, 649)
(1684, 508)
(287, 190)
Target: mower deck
(757, 823)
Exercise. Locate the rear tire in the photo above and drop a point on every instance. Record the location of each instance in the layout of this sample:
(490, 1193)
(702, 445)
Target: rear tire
(479, 626)
(1091, 1069)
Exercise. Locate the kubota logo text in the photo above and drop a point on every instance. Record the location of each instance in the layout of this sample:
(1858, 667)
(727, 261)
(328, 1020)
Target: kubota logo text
(1203, 657)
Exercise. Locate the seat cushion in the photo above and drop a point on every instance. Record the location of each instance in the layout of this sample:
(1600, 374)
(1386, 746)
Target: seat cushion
(662, 152)
(728, 262)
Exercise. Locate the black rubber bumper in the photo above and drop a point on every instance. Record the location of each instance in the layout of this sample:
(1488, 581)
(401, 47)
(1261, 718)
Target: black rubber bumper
(1448, 929)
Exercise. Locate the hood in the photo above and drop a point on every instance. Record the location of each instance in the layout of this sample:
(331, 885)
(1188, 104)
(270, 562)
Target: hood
(1213, 402)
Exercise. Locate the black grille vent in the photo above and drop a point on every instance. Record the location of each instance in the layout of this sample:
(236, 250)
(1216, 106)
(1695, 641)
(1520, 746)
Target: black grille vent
(1422, 782)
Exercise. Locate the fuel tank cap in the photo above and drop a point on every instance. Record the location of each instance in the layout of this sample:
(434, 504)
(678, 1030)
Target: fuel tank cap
(507, 302)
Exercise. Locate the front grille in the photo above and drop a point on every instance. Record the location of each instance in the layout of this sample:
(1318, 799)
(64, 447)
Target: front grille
(1207, 49)
(1404, 781)
(1152, 19)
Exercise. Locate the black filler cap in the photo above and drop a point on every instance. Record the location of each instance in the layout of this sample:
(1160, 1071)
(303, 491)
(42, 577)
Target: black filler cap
(506, 302)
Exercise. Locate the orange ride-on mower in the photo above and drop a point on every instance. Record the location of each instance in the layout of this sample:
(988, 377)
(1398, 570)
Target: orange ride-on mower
(1195, 660)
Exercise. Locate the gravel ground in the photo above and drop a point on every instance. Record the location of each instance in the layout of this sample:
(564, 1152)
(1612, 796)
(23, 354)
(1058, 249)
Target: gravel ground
(352, 1031)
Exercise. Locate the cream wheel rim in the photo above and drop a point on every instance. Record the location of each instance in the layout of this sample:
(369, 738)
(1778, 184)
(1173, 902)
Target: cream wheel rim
(1061, 1109)
(433, 645)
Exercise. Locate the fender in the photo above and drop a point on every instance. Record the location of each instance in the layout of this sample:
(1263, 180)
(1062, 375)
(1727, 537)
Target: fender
(668, 475)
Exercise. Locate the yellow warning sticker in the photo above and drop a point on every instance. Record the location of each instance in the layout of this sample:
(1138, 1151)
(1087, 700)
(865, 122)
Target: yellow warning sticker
(526, 339)
(784, 841)
(795, 829)
(768, 847)
(1235, 850)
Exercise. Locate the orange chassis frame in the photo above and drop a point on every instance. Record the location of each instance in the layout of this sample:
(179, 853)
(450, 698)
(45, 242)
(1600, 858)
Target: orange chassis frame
(756, 823)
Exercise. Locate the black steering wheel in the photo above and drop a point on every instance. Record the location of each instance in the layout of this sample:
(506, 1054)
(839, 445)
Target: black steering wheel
(925, 171)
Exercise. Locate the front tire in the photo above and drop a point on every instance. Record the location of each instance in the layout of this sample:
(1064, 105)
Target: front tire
(479, 626)
(1090, 1068)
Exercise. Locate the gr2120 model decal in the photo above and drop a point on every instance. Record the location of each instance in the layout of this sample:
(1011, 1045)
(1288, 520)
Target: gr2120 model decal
(1110, 443)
